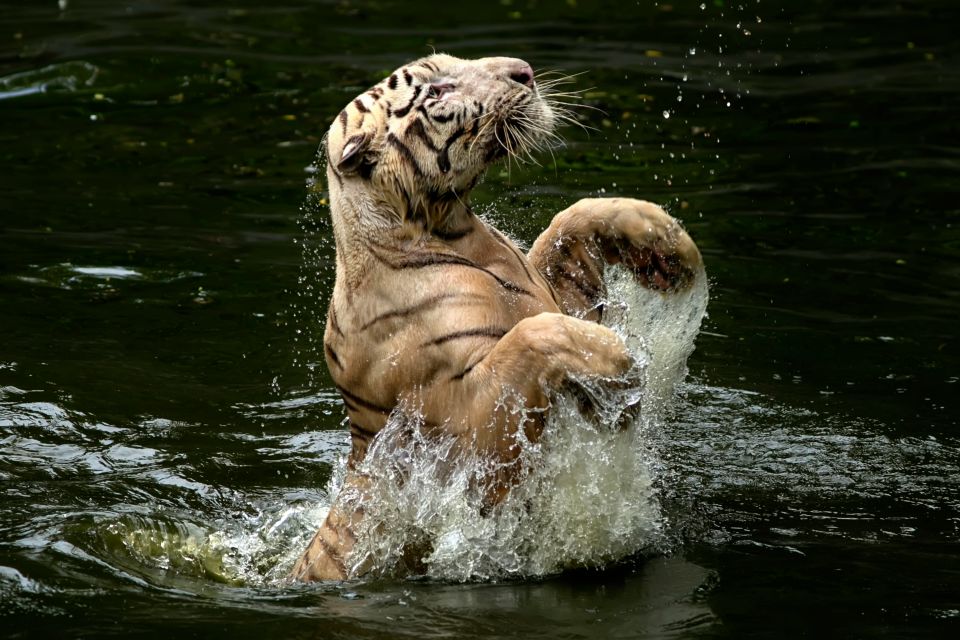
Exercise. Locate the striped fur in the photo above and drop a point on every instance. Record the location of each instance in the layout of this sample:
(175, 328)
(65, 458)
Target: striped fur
(433, 308)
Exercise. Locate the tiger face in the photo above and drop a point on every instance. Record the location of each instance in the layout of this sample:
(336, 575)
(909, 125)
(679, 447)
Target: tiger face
(424, 135)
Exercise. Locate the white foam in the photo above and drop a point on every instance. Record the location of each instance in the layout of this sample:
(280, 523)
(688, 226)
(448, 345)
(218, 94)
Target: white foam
(587, 496)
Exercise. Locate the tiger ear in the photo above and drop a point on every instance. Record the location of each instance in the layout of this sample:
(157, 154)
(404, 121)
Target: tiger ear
(353, 152)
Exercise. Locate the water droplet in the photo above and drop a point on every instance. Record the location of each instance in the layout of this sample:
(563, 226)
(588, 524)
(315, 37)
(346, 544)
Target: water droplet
(666, 114)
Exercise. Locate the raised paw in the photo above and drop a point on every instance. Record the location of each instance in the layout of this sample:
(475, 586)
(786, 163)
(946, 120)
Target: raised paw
(641, 236)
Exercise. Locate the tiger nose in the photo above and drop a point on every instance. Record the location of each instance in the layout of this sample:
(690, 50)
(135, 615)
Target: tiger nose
(522, 73)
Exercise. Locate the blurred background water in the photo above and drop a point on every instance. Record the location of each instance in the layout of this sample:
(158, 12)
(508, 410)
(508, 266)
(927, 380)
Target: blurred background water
(167, 425)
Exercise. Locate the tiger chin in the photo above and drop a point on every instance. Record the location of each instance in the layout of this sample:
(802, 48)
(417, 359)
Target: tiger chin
(433, 307)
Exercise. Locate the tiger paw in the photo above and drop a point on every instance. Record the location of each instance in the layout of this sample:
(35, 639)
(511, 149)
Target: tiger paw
(644, 238)
(569, 347)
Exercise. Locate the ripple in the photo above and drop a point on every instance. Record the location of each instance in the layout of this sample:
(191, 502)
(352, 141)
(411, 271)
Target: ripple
(737, 451)
(66, 77)
(325, 402)
(18, 581)
(108, 272)
(69, 276)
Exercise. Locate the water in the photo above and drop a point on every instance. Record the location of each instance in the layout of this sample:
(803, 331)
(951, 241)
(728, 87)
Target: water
(587, 497)
(168, 430)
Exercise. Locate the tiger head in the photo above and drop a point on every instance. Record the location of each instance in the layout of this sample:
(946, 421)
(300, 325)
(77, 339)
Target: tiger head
(420, 140)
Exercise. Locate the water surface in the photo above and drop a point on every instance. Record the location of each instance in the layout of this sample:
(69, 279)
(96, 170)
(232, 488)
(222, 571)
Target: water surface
(167, 427)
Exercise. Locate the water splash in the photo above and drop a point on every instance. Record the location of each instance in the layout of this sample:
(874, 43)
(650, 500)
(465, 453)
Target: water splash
(587, 494)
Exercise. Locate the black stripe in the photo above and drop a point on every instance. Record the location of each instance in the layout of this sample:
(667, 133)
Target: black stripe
(422, 261)
(463, 374)
(409, 212)
(360, 402)
(586, 289)
(407, 77)
(401, 112)
(431, 66)
(420, 306)
(453, 138)
(440, 198)
(405, 152)
(359, 443)
(392, 82)
(481, 332)
(509, 286)
(351, 406)
(365, 433)
(332, 555)
(451, 236)
(358, 103)
(332, 355)
(443, 159)
(344, 116)
(442, 118)
(417, 129)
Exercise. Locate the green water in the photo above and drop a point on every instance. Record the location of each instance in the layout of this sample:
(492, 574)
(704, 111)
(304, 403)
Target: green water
(167, 426)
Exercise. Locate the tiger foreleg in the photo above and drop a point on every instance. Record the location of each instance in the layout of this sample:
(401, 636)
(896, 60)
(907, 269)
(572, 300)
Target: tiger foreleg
(572, 251)
(485, 407)
(508, 390)
(327, 557)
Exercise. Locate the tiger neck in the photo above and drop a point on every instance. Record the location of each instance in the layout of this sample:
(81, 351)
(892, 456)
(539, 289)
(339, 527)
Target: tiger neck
(361, 218)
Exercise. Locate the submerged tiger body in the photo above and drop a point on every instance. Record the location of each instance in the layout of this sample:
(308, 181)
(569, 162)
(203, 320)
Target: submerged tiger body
(436, 312)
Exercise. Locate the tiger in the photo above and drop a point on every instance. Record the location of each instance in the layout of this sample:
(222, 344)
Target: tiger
(433, 307)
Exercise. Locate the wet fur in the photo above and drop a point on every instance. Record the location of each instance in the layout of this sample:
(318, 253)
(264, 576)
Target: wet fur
(435, 310)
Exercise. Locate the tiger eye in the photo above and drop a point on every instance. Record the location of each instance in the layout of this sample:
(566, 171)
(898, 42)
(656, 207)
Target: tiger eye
(438, 89)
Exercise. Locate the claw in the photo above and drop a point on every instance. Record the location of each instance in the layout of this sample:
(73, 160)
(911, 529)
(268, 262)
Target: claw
(656, 270)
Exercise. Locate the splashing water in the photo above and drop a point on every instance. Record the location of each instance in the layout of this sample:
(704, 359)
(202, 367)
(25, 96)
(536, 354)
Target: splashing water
(587, 494)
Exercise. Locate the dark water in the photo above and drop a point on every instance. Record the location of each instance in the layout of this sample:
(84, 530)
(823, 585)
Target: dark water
(165, 427)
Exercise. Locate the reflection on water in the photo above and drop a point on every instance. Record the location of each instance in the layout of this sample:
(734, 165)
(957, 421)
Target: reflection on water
(68, 76)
